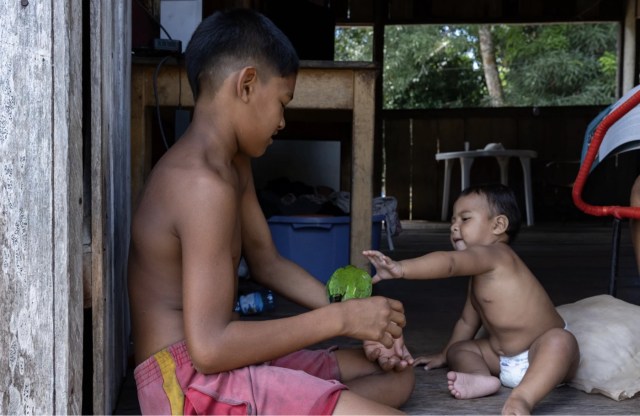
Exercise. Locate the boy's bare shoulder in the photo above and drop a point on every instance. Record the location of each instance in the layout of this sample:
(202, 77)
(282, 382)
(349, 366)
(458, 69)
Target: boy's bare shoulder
(185, 184)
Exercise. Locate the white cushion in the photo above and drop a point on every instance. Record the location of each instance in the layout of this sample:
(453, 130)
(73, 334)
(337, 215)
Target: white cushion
(608, 333)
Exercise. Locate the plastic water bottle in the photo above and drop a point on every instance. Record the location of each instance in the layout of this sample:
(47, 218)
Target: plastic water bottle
(348, 282)
(255, 303)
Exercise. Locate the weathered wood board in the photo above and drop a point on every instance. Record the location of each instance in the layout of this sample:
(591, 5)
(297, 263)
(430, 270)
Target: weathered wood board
(110, 61)
(40, 208)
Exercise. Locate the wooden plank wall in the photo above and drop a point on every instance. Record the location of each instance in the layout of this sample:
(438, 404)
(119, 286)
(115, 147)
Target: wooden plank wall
(414, 177)
(110, 179)
(40, 208)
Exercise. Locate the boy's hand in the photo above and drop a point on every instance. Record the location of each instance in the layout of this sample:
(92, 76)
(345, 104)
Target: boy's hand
(431, 361)
(385, 267)
(396, 358)
(376, 318)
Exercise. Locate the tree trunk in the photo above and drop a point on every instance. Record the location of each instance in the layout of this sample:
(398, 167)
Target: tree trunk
(489, 66)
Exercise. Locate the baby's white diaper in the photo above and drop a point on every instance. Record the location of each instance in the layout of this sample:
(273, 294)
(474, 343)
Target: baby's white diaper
(512, 369)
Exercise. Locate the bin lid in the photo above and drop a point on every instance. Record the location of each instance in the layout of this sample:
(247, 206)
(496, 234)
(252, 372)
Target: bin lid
(315, 219)
(309, 219)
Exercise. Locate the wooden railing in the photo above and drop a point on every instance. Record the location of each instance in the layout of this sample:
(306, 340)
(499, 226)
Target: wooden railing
(411, 139)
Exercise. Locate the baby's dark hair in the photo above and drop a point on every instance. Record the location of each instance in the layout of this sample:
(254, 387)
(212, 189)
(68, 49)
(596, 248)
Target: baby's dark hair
(502, 201)
(228, 40)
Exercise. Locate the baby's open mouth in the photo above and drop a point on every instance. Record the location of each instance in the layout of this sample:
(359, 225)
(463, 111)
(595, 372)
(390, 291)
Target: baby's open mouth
(459, 244)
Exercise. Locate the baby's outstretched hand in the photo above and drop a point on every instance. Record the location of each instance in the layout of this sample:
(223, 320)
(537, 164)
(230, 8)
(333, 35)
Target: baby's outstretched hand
(385, 267)
(431, 361)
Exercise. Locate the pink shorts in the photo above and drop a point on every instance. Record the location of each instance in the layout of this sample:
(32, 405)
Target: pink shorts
(304, 382)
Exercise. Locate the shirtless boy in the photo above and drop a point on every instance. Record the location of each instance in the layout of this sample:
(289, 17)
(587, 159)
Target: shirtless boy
(527, 347)
(198, 215)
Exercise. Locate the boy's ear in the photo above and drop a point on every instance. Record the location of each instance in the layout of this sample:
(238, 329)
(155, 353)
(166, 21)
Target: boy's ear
(500, 224)
(246, 82)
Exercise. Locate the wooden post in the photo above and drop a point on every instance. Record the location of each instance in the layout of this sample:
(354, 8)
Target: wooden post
(110, 190)
(362, 166)
(41, 208)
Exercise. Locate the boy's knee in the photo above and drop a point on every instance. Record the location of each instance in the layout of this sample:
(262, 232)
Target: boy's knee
(405, 380)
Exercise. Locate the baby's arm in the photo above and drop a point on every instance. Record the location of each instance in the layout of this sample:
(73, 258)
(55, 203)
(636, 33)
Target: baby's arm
(386, 268)
(436, 265)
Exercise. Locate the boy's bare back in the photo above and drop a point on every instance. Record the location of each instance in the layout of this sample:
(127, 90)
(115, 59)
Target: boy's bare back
(182, 188)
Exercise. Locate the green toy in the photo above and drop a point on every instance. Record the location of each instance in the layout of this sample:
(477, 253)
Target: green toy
(348, 282)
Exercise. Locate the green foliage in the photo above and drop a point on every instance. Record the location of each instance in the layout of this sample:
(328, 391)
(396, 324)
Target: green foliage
(562, 64)
(430, 66)
(354, 44)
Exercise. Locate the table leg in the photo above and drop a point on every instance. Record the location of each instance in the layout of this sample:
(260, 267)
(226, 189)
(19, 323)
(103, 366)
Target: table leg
(528, 195)
(503, 161)
(465, 171)
(446, 189)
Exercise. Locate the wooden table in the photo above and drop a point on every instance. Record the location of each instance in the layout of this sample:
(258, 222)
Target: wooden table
(466, 158)
(322, 85)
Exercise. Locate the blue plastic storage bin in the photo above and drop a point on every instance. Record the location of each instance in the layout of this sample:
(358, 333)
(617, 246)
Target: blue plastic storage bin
(318, 244)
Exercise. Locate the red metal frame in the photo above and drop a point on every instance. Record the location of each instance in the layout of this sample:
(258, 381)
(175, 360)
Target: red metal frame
(618, 212)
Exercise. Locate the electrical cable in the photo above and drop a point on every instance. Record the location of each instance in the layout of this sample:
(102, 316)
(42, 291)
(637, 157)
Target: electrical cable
(148, 12)
(179, 87)
(155, 74)
(155, 94)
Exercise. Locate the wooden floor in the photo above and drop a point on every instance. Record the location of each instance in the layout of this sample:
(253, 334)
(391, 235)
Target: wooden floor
(572, 260)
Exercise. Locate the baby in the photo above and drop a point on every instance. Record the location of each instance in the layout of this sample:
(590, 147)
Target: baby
(527, 347)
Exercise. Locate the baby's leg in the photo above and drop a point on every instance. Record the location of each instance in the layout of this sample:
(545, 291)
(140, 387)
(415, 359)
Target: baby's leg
(470, 386)
(553, 359)
(474, 364)
(367, 380)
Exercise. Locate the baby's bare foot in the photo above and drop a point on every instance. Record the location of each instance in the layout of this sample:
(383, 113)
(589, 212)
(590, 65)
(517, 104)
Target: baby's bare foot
(516, 406)
(470, 386)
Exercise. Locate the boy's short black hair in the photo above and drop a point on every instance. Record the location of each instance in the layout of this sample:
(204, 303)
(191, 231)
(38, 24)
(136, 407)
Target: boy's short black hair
(502, 201)
(227, 40)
